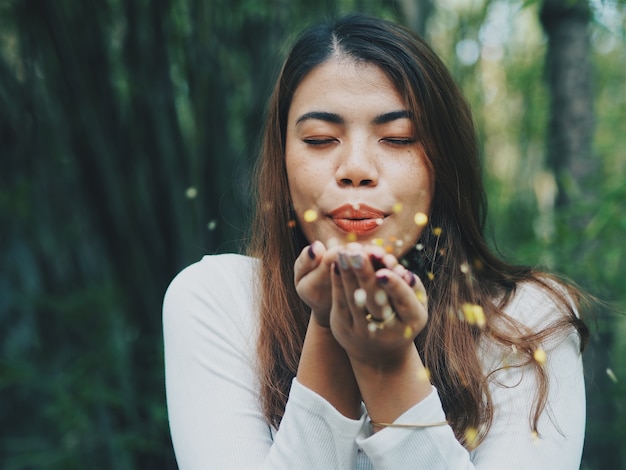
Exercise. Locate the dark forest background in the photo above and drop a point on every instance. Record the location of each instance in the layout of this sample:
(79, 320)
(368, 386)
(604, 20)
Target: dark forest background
(127, 132)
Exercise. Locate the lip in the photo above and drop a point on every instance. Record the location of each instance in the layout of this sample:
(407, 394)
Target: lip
(357, 218)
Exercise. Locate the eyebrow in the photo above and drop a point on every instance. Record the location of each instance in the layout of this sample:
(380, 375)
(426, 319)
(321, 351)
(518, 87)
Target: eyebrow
(321, 116)
(392, 116)
(335, 118)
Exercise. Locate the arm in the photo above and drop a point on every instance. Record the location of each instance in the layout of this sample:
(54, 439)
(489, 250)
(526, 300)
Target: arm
(394, 394)
(214, 410)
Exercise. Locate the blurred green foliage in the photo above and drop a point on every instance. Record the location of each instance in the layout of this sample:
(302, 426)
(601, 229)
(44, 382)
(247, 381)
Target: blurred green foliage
(127, 133)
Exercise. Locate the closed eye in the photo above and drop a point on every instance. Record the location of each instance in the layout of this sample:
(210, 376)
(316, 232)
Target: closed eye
(317, 142)
(399, 141)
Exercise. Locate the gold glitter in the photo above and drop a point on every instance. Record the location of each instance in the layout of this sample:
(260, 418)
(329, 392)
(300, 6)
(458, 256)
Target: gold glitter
(291, 224)
(437, 231)
(408, 332)
(351, 237)
(465, 268)
(540, 356)
(474, 314)
(430, 275)
(471, 436)
(611, 375)
(421, 296)
(378, 241)
(310, 215)
(423, 375)
(389, 249)
(420, 219)
(397, 208)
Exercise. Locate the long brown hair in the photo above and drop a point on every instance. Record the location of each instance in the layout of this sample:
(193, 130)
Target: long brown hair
(452, 256)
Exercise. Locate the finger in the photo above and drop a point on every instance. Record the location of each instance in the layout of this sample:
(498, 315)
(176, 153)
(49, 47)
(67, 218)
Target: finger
(308, 260)
(340, 303)
(404, 299)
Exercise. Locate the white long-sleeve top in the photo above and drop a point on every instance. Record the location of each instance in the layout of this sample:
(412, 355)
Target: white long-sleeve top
(216, 421)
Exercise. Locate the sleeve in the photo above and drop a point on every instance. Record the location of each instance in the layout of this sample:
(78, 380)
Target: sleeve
(509, 442)
(212, 391)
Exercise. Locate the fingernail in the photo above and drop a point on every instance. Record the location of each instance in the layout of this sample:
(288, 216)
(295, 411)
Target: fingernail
(356, 261)
(382, 278)
(377, 262)
(336, 269)
(343, 261)
(413, 279)
(311, 252)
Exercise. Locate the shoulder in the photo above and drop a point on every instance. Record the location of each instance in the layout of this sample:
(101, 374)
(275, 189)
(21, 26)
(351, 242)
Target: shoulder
(216, 289)
(212, 274)
(537, 306)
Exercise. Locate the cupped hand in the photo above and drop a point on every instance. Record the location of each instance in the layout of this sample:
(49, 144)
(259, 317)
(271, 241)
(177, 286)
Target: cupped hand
(313, 279)
(378, 306)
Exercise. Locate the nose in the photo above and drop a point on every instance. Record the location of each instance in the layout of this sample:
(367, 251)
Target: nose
(357, 166)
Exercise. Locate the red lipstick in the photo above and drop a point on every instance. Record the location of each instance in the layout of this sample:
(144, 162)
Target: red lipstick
(357, 218)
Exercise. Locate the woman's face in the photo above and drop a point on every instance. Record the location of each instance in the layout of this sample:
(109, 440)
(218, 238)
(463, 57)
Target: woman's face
(355, 165)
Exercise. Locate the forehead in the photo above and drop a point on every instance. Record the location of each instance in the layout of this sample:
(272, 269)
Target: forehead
(341, 81)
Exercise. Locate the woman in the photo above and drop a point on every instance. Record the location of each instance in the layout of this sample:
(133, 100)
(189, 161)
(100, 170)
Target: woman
(371, 326)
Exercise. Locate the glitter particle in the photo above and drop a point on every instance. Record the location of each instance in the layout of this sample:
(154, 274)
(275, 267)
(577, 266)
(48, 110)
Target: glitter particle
(379, 221)
(351, 237)
(372, 327)
(191, 192)
(423, 374)
(212, 225)
(540, 356)
(378, 242)
(437, 231)
(360, 297)
(408, 332)
(430, 275)
(380, 297)
(420, 219)
(465, 268)
(387, 312)
(421, 296)
(471, 435)
(611, 375)
(419, 247)
(291, 224)
(397, 208)
(474, 314)
(310, 215)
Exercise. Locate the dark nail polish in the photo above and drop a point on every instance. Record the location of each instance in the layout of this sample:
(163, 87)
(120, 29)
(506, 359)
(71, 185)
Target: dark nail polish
(382, 279)
(336, 269)
(311, 252)
(413, 279)
(377, 262)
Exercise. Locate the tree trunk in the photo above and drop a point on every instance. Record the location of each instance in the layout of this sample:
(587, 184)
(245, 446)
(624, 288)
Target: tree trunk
(569, 156)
